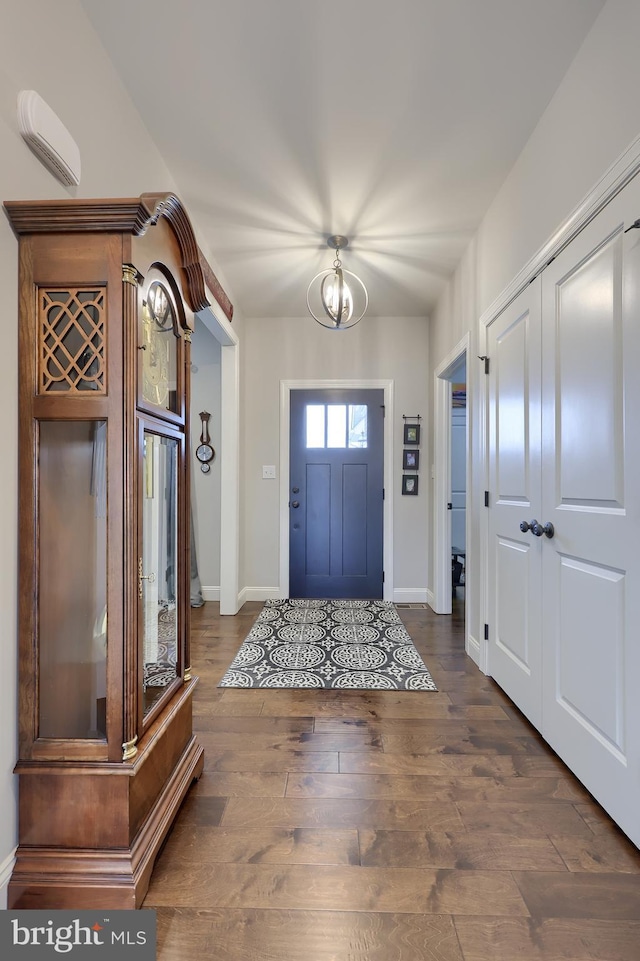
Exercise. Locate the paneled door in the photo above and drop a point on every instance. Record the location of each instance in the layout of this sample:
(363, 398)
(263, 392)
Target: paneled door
(564, 435)
(515, 557)
(336, 493)
(591, 496)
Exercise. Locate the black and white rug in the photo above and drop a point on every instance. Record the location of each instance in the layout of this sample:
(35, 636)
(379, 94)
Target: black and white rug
(340, 644)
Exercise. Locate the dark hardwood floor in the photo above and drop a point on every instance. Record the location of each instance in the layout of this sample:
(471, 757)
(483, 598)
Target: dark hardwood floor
(366, 826)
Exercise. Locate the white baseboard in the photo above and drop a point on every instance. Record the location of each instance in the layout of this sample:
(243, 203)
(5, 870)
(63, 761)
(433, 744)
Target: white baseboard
(210, 593)
(6, 869)
(261, 593)
(473, 649)
(410, 595)
(431, 597)
(401, 595)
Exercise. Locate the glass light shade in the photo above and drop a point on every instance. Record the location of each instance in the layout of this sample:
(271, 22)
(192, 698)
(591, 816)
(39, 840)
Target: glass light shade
(334, 302)
(336, 298)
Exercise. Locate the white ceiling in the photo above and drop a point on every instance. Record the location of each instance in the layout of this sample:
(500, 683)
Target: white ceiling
(395, 123)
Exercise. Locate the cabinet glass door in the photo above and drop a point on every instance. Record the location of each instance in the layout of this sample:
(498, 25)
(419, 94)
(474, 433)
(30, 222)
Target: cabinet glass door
(72, 585)
(158, 575)
(158, 342)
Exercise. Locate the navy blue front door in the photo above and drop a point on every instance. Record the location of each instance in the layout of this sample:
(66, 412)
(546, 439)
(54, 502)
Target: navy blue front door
(336, 493)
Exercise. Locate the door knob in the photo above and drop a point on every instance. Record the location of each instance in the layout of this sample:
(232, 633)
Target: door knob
(536, 528)
(296, 490)
(295, 503)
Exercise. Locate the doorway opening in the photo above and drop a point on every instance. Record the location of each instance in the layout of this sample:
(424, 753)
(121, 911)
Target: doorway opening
(451, 483)
(229, 443)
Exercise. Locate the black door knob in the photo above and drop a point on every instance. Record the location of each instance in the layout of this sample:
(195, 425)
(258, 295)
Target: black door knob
(295, 503)
(537, 529)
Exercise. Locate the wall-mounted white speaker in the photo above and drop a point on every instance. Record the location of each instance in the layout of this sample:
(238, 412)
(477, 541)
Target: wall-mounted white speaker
(48, 137)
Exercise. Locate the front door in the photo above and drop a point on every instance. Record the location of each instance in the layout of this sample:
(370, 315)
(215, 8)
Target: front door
(336, 493)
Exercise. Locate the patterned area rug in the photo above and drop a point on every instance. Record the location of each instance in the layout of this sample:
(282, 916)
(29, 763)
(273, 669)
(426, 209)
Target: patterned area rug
(343, 645)
(161, 672)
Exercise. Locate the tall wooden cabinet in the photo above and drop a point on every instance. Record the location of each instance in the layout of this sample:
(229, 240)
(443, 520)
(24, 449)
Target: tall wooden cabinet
(108, 290)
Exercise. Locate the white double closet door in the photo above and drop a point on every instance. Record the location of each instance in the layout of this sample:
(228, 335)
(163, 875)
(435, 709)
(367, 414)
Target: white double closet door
(564, 450)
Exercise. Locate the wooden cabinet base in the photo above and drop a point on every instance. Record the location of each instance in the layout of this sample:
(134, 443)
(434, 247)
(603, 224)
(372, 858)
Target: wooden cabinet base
(56, 867)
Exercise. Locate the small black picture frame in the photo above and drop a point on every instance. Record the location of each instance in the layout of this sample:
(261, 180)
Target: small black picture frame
(409, 483)
(410, 459)
(412, 434)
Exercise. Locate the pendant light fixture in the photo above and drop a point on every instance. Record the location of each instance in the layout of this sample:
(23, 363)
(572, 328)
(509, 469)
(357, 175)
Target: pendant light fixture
(336, 297)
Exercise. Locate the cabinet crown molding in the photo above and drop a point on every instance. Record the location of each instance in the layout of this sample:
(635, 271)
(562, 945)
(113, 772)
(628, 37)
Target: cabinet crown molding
(132, 215)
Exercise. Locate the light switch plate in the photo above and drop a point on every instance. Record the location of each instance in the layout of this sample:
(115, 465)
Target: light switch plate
(268, 471)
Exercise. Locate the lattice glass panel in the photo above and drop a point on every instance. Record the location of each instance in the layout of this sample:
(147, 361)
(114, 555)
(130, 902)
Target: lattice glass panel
(72, 346)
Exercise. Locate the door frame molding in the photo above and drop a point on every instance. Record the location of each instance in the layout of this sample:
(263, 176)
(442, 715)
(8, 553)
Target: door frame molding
(226, 336)
(442, 593)
(286, 386)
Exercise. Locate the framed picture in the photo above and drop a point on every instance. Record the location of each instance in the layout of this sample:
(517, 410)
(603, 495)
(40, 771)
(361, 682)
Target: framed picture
(412, 434)
(410, 459)
(409, 484)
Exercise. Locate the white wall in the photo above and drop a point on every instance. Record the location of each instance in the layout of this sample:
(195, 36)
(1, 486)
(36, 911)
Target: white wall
(49, 47)
(297, 349)
(205, 396)
(591, 120)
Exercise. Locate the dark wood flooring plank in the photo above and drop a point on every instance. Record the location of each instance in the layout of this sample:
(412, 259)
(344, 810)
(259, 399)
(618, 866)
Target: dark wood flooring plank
(266, 846)
(399, 815)
(355, 704)
(217, 760)
(430, 711)
(463, 765)
(434, 788)
(224, 707)
(253, 724)
(329, 888)
(241, 784)
(524, 819)
(529, 939)
(461, 744)
(464, 851)
(608, 897)
(231, 741)
(604, 853)
(179, 935)
(462, 725)
(283, 935)
(203, 811)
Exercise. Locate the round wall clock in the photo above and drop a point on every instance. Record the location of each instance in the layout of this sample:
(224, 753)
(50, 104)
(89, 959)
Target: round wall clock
(204, 451)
